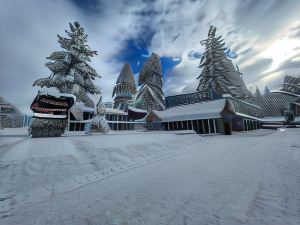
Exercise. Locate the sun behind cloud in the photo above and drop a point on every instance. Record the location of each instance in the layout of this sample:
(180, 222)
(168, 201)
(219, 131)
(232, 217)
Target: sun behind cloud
(280, 51)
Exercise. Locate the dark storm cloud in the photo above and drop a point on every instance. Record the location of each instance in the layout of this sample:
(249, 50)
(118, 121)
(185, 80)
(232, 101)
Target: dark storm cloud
(245, 51)
(89, 6)
(290, 64)
(296, 35)
(254, 71)
(231, 32)
(276, 79)
(264, 17)
(241, 45)
(296, 28)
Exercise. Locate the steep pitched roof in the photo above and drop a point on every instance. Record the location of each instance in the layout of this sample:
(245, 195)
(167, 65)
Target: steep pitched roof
(153, 65)
(202, 110)
(291, 84)
(126, 75)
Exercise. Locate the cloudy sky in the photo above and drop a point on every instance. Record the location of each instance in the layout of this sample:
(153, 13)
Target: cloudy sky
(265, 35)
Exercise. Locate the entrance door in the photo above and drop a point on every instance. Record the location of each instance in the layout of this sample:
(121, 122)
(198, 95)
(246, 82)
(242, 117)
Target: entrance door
(227, 128)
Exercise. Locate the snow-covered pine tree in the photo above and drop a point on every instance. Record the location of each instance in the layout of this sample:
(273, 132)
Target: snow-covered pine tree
(219, 74)
(257, 93)
(251, 89)
(267, 90)
(71, 72)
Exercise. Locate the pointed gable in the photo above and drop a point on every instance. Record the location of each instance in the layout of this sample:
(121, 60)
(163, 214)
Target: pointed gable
(126, 75)
(152, 66)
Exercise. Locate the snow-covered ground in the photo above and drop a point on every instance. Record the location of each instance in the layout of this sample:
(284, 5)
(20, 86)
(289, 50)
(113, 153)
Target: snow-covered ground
(150, 178)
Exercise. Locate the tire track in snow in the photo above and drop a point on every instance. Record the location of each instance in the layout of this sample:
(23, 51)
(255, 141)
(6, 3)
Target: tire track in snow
(9, 146)
(9, 172)
(25, 166)
(122, 171)
(101, 178)
(270, 200)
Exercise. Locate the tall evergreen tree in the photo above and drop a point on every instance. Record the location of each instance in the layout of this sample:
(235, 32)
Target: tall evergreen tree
(267, 90)
(257, 93)
(219, 74)
(71, 72)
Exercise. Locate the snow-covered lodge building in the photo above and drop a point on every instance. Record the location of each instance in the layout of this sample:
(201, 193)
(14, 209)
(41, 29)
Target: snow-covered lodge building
(286, 96)
(221, 104)
(209, 114)
(118, 119)
(206, 112)
(150, 95)
(125, 89)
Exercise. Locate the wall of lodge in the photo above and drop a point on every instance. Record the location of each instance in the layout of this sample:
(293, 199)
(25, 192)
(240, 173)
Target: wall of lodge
(209, 126)
(203, 126)
(118, 122)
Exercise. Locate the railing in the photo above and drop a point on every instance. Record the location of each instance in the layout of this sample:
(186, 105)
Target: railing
(114, 125)
(74, 125)
(127, 125)
(190, 98)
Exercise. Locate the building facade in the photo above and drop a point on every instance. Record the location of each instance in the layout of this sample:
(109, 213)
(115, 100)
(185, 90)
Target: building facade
(124, 89)
(150, 95)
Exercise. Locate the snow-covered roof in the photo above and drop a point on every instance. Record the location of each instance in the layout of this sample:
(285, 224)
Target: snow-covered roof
(285, 92)
(203, 110)
(80, 106)
(54, 92)
(43, 115)
(273, 119)
(244, 102)
(278, 119)
(137, 110)
(126, 75)
(115, 111)
(152, 65)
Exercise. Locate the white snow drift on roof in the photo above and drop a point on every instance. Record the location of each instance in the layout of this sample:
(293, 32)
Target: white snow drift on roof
(137, 110)
(115, 111)
(54, 92)
(207, 110)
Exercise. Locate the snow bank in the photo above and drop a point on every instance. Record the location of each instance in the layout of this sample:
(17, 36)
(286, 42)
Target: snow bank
(151, 178)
